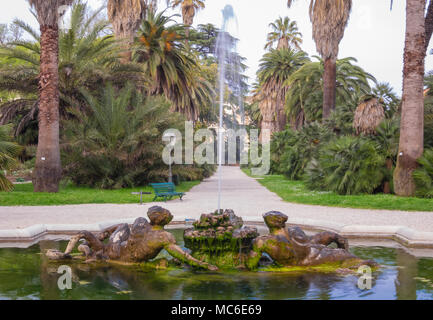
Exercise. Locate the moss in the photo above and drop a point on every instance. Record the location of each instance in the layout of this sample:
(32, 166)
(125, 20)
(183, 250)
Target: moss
(345, 267)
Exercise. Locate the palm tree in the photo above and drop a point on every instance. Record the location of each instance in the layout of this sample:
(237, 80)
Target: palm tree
(368, 115)
(48, 168)
(86, 58)
(169, 68)
(329, 19)
(8, 153)
(412, 111)
(386, 95)
(126, 17)
(275, 68)
(189, 9)
(285, 32)
(305, 96)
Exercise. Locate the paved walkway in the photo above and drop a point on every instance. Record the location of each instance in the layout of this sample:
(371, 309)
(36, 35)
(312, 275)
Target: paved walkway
(247, 197)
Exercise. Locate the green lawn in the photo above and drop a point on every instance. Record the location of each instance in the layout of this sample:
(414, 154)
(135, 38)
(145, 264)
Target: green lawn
(295, 191)
(23, 195)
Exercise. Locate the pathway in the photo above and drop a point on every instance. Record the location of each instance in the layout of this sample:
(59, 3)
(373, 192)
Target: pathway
(247, 197)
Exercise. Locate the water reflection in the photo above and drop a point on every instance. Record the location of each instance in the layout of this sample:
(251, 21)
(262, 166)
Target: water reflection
(24, 273)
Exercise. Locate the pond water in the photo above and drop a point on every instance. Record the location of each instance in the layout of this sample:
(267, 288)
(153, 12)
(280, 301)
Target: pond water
(25, 274)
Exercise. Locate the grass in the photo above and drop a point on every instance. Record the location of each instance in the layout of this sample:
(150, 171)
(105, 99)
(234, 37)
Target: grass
(23, 195)
(295, 191)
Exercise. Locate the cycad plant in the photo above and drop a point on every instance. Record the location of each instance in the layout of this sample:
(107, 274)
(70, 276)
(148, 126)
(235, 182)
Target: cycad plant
(347, 165)
(423, 176)
(119, 142)
(8, 153)
(301, 147)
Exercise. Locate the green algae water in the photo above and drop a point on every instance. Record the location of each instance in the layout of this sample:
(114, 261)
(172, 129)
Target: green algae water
(25, 274)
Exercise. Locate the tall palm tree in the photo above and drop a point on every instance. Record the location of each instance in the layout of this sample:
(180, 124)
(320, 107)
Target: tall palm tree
(126, 17)
(48, 168)
(329, 19)
(305, 94)
(412, 112)
(275, 68)
(86, 58)
(170, 69)
(285, 33)
(189, 9)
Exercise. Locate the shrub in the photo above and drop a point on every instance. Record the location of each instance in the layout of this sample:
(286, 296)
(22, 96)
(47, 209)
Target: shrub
(119, 143)
(423, 176)
(347, 165)
(301, 146)
(8, 153)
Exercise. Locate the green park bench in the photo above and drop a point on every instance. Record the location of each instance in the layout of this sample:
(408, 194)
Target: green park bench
(166, 191)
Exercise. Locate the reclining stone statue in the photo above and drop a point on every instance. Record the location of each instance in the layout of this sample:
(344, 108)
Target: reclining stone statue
(292, 247)
(139, 243)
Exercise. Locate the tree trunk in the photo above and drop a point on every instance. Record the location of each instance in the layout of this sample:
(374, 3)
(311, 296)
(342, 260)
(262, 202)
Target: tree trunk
(48, 168)
(412, 113)
(387, 184)
(329, 83)
(428, 24)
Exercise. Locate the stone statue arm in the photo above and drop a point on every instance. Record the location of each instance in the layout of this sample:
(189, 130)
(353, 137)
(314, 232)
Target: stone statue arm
(175, 251)
(107, 232)
(326, 238)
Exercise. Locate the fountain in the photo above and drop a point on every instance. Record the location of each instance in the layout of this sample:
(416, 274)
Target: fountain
(225, 51)
(217, 240)
(220, 239)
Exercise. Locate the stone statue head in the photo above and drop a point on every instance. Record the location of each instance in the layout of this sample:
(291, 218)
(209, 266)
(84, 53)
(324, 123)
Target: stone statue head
(275, 220)
(159, 216)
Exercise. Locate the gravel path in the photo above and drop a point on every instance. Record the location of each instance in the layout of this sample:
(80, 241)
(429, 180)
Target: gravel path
(245, 195)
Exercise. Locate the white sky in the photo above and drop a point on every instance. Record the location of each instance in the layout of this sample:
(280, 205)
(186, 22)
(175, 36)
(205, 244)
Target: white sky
(375, 35)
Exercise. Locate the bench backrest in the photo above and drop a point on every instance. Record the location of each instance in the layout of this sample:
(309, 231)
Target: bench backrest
(163, 187)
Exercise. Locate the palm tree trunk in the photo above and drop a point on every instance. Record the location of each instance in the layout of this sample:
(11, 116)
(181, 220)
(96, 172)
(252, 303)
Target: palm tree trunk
(48, 168)
(428, 24)
(412, 114)
(387, 184)
(329, 83)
